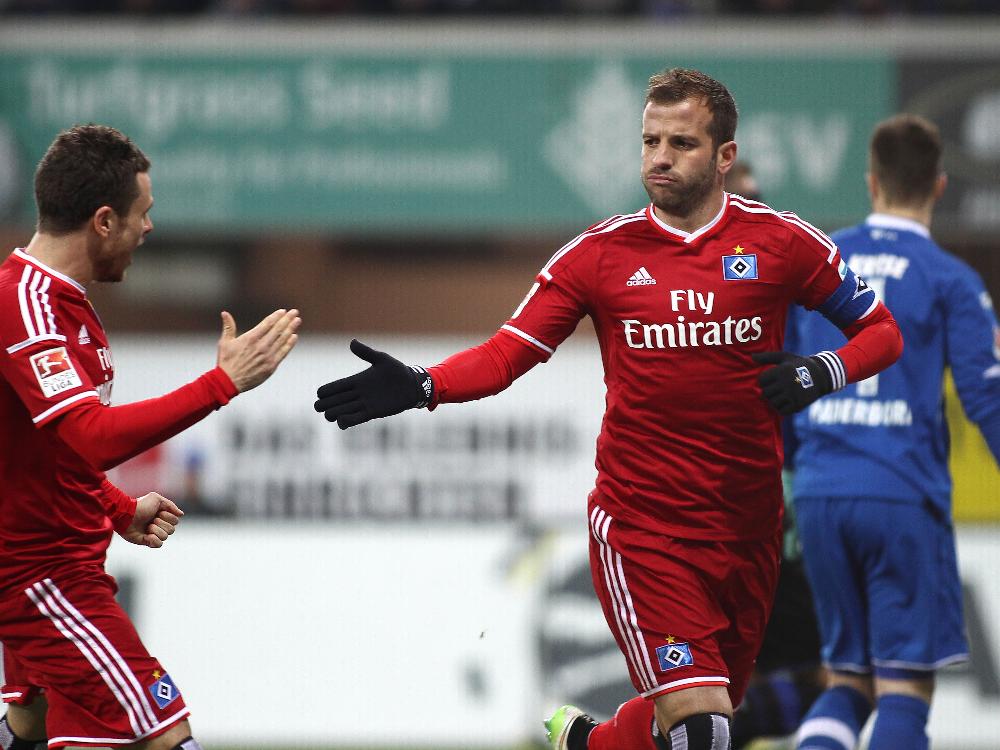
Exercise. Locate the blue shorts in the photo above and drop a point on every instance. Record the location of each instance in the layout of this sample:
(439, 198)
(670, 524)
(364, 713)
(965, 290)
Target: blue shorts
(885, 581)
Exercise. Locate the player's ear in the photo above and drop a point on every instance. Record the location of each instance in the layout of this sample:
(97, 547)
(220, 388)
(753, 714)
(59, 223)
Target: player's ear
(872, 183)
(103, 221)
(725, 156)
(939, 185)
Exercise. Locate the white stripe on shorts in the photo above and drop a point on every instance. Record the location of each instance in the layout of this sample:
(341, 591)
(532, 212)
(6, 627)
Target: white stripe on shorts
(94, 646)
(614, 578)
(169, 721)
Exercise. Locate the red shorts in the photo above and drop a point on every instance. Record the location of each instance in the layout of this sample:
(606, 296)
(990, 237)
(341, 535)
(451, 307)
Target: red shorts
(685, 613)
(68, 637)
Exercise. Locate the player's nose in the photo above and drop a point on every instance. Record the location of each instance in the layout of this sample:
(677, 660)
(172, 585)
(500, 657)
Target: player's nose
(663, 158)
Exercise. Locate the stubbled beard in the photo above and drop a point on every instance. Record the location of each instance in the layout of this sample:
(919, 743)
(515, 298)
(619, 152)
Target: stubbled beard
(109, 269)
(688, 198)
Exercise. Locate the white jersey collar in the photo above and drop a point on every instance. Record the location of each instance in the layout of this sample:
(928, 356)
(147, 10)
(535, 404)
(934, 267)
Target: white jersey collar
(888, 221)
(690, 237)
(32, 260)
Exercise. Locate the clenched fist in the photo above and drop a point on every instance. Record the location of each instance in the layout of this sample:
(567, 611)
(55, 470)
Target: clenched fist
(155, 519)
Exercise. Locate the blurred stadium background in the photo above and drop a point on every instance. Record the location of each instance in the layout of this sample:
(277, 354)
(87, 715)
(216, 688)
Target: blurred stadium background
(399, 170)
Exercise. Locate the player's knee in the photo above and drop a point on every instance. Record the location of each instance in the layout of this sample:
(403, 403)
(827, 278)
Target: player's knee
(860, 683)
(19, 739)
(186, 743)
(708, 731)
(178, 737)
(905, 682)
(26, 721)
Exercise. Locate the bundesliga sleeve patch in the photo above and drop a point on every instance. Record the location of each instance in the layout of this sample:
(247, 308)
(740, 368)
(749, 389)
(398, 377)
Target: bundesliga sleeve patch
(164, 691)
(673, 655)
(54, 371)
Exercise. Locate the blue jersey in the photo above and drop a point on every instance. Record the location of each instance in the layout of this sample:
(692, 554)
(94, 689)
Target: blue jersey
(886, 436)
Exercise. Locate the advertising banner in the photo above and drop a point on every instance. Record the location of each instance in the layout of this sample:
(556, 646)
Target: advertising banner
(310, 135)
(963, 98)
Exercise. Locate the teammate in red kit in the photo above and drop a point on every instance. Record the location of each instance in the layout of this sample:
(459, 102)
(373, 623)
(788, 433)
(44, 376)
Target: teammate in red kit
(688, 297)
(74, 669)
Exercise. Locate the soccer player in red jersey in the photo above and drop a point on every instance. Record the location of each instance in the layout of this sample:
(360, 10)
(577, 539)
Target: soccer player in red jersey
(74, 669)
(689, 298)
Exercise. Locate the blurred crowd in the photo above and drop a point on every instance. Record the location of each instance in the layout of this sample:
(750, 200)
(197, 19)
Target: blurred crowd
(568, 8)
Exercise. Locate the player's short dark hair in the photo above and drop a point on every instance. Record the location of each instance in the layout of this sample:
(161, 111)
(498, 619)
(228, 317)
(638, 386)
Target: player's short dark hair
(905, 155)
(86, 167)
(677, 84)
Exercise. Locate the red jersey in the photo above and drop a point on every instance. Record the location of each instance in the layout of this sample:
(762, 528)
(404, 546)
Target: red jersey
(57, 506)
(687, 446)
(55, 354)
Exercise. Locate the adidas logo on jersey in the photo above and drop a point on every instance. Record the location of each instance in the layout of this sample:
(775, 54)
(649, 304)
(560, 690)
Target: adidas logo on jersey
(83, 337)
(640, 278)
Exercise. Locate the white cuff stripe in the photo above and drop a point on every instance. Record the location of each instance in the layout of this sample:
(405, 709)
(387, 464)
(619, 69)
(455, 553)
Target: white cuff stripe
(526, 337)
(835, 366)
(35, 340)
(829, 728)
(423, 384)
(63, 404)
(923, 667)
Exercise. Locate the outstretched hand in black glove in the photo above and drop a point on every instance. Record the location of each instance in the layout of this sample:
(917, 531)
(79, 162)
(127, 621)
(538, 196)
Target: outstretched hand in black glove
(795, 382)
(386, 388)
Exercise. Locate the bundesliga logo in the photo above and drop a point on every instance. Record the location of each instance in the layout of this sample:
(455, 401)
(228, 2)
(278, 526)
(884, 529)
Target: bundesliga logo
(54, 371)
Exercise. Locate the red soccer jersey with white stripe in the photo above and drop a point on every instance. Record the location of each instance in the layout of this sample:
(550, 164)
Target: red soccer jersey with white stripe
(688, 446)
(55, 354)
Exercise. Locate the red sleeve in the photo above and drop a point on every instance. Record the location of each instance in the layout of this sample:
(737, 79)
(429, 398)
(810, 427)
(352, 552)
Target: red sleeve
(119, 506)
(108, 435)
(483, 370)
(547, 315)
(875, 342)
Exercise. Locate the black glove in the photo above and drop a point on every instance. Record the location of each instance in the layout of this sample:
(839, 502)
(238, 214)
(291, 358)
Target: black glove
(795, 382)
(386, 388)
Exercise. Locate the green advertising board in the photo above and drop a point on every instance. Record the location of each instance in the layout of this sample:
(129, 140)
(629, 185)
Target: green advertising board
(430, 140)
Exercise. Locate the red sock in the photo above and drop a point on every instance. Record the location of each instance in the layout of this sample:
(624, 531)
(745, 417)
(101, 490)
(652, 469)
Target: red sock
(630, 729)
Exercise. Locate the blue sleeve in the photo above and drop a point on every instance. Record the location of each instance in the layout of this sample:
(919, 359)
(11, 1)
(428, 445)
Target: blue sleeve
(851, 301)
(972, 338)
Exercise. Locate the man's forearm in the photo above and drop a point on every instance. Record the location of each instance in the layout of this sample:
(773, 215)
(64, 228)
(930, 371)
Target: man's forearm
(483, 370)
(107, 436)
(874, 343)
